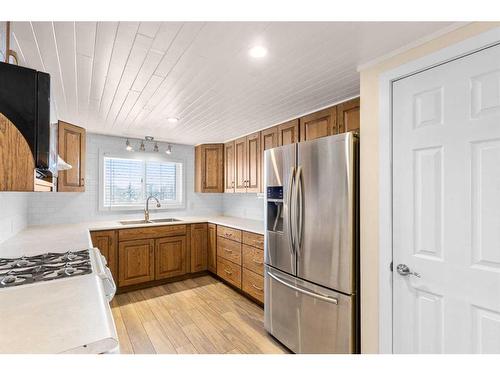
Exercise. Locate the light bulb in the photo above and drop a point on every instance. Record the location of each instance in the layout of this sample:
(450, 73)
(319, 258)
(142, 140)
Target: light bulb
(128, 147)
(169, 149)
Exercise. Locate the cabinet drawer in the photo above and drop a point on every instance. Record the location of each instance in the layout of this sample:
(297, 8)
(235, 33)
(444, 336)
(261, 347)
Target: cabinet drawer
(233, 234)
(151, 232)
(230, 250)
(229, 271)
(253, 284)
(253, 239)
(253, 259)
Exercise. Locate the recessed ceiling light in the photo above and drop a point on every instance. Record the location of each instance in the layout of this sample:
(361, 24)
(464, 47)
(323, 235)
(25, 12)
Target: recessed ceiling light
(258, 52)
(173, 120)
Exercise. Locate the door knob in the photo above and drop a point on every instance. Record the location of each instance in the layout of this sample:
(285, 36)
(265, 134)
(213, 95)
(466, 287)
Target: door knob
(404, 270)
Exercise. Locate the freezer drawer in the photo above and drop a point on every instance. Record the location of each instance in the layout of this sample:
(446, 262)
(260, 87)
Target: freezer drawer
(307, 318)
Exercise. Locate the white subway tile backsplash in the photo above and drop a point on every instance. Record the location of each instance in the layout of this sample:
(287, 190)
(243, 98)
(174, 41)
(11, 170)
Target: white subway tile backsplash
(13, 213)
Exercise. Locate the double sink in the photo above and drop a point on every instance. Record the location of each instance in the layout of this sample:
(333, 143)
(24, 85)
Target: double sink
(135, 222)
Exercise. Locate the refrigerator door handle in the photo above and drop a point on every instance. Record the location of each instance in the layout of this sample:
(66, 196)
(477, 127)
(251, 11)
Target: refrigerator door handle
(321, 297)
(291, 237)
(299, 212)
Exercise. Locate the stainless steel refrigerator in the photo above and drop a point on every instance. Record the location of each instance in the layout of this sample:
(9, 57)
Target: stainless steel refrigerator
(311, 245)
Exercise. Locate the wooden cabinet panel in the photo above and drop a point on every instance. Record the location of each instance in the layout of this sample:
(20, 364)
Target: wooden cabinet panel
(253, 284)
(231, 233)
(170, 257)
(253, 239)
(229, 169)
(288, 133)
(269, 138)
(253, 259)
(240, 161)
(254, 163)
(151, 232)
(318, 124)
(230, 250)
(348, 115)
(16, 160)
(199, 242)
(209, 168)
(106, 242)
(72, 148)
(136, 262)
(212, 248)
(229, 271)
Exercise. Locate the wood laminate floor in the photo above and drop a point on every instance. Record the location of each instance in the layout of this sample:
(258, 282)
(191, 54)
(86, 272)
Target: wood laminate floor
(200, 315)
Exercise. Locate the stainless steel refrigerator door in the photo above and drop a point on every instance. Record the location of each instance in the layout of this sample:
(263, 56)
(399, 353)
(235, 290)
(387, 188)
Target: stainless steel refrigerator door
(279, 169)
(307, 318)
(325, 217)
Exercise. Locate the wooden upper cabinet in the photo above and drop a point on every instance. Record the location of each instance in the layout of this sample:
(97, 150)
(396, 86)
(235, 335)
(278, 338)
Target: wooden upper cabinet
(240, 162)
(318, 124)
(348, 115)
(269, 138)
(212, 248)
(254, 163)
(72, 149)
(288, 133)
(106, 242)
(170, 257)
(136, 262)
(199, 243)
(16, 160)
(209, 168)
(229, 179)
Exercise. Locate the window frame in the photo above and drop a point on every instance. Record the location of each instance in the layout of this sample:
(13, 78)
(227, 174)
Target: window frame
(143, 156)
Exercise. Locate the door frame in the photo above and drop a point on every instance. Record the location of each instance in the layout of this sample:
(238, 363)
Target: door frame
(455, 51)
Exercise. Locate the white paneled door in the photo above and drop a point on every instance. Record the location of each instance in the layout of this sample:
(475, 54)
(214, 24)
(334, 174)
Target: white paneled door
(446, 207)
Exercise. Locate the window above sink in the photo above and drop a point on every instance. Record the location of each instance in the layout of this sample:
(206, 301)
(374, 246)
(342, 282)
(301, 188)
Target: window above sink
(126, 180)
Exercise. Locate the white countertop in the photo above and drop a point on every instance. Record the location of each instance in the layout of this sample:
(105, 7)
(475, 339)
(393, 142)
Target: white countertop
(63, 237)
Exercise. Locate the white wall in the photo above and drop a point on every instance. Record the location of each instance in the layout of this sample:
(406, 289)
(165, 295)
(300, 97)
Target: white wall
(56, 208)
(13, 213)
(249, 206)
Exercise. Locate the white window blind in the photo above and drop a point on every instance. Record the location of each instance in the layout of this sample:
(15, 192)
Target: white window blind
(128, 182)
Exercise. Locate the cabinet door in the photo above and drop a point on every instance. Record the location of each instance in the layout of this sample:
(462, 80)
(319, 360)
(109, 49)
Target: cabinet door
(229, 180)
(135, 262)
(240, 161)
(170, 257)
(72, 149)
(199, 243)
(209, 167)
(269, 138)
(254, 163)
(212, 248)
(288, 133)
(348, 115)
(105, 241)
(318, 124)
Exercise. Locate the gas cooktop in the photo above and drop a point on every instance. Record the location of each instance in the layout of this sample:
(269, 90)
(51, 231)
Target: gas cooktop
(44, 267)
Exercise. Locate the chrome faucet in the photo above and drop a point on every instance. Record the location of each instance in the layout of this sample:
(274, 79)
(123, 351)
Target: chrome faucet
(146, 211)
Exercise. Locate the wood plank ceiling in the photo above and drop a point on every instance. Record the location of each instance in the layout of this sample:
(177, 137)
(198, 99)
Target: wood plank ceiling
(127, 78)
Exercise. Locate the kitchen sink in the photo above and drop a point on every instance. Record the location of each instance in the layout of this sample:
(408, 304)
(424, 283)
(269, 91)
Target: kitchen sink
(133, 222)
(167, 220)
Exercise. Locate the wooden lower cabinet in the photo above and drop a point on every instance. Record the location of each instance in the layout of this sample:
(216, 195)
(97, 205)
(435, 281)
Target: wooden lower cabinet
(105, 241)
(199, 244)
(229, 271)
(253, 284)
(170, 257)
(212, 248)
(228, 249)
(253, 259)
(136, 262)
